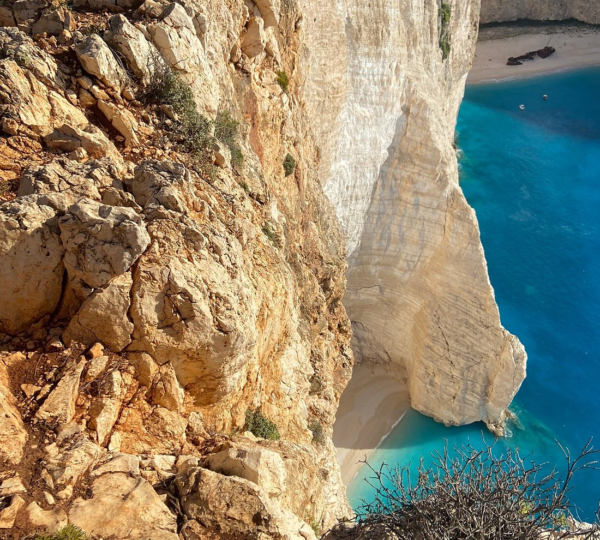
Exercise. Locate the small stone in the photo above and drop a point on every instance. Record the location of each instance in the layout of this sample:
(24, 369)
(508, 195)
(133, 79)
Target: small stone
(55, 345)
(65, 494)
(169, 111)
(64, 37)
(128, 94)
(30, 389)
(99, 93)
(96, 350)
(72, 96)
(49, 498)
(79, 154)
(10, 126)
(85, 82)
(47, 479)
(86, 99)
(9, 514)
(12, 486)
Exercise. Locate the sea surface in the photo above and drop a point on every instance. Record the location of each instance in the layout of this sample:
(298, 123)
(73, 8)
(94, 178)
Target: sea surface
(533, 178)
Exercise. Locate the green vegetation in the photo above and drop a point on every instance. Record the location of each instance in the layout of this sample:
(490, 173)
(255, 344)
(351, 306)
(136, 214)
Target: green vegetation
(70, 532)
(289, 165)
(283, 80)
(226, 130)
(318, 437)
(314, 524)
(260, 426)
(192, 131)
(268, 232)
(445, 12)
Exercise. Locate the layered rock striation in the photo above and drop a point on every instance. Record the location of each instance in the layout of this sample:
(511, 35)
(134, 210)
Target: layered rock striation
(419, 295)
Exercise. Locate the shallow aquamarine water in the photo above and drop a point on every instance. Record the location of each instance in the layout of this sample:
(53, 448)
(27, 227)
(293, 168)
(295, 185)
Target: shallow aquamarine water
(533, 177)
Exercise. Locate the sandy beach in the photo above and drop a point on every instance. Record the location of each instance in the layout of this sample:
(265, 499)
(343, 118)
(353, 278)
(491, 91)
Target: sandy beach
(576, 47)
(371, 405)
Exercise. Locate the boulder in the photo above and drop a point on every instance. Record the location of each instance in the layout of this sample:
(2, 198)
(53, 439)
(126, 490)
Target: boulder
(44, 521)
(175, 38)
(166, 391)
(145, 367)
(31, 267)
(54, 21)
(259, 465)
(122, 120)
(97, 59)
(123, 463)
(9, 514)
(105, 408)
(124, 507)
(254, 39)
(68, 138)
(141, 55)
(60, 404)
(104, 316)
(32, 103)
(67, 465)
(74, 180)
(16, 45)
(166, 183)
(101, 241)
(234, 505)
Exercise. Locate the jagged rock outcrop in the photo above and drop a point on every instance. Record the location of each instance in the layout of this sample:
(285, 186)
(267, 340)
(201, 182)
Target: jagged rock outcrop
(418, 292)
(153, 299)
(540, 10)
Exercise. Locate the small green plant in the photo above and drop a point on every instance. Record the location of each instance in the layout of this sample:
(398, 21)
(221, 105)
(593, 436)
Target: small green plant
(314, 524)
(70, 532)
(318, 437)
(445, 13)
(268, 232)
(289, 165)
(260, 426)
(192, 130)
(283, 80)
(226, 130)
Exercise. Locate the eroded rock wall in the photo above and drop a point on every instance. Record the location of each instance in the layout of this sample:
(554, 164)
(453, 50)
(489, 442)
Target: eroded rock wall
(540, 10)
(153, 295)
(418, 294)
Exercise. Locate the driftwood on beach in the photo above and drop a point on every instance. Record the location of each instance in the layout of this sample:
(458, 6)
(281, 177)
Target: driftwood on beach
(542, 53)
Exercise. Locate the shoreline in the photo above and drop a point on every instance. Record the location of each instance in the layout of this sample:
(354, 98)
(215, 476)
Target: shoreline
(576, 46)
(370, 407)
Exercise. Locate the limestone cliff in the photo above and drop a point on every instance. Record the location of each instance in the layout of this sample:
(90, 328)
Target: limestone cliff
(168, 284)
(418, 294)
(540, 10)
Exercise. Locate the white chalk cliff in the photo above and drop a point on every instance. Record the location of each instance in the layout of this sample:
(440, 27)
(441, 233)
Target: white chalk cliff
(385, 103)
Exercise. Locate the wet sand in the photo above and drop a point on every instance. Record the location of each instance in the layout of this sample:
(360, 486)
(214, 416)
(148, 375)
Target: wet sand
(576, 47)
(370, 406)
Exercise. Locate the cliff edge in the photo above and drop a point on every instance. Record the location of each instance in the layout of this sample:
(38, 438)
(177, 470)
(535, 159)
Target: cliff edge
(419, 295)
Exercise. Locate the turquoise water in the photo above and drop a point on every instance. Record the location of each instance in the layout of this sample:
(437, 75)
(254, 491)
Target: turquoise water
(533, 177)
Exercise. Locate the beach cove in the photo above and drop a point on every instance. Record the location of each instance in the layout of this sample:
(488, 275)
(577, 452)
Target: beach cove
(557, 150)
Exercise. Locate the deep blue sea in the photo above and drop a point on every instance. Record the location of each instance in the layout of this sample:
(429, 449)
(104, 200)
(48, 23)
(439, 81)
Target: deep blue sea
(533, 177)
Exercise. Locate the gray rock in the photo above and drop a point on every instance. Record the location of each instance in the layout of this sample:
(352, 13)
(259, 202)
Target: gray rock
(97, 59)
(101, 241)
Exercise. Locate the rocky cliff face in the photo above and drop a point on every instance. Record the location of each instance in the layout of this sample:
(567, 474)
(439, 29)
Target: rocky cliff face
(540, 10)
(418, 294)
(165, 279)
